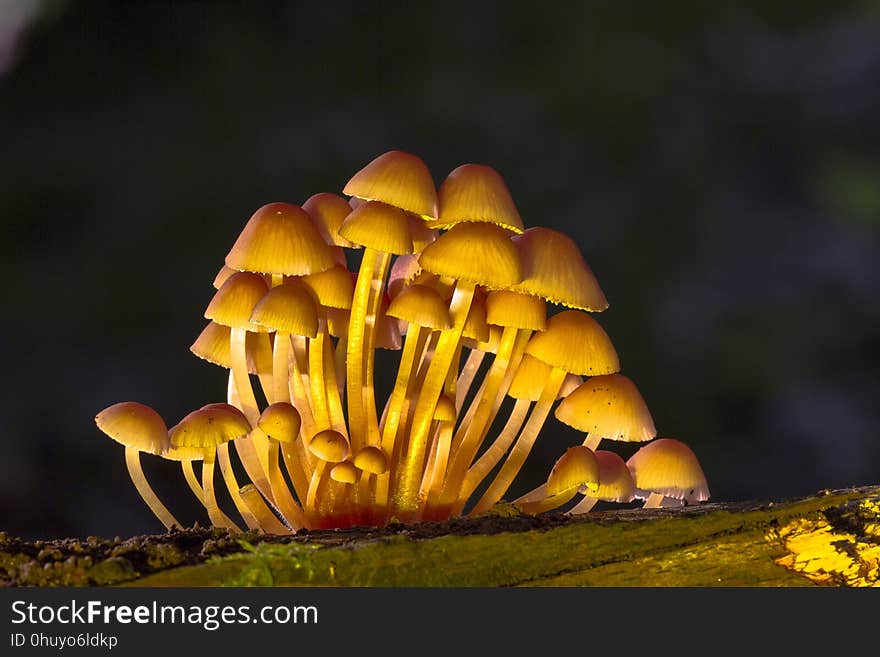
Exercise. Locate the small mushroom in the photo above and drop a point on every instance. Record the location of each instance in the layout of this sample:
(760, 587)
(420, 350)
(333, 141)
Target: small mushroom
(667, 468)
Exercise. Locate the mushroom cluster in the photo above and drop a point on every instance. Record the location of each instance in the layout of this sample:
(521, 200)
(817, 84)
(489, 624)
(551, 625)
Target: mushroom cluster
(452, 280)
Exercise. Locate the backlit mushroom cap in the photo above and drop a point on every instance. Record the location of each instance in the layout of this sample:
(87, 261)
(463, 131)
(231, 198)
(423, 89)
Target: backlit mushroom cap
(528, 379)
(608, 406)
(399, 179)
(289, 308)
(475, 192)
(576, 468)
(522, 311)
(378, 226)
(224, 273)
(669, 467)
(134, 425)
(344, 472)
(575, 342)
(615, 481)
(212, 345)
(476, 252)
(280, 238)
(371, 459)
(334, 287)
(280, 421)
(421, 305)
(554, 269)
(445, 410)
(475, 326)
(185, 453)
(209, 426)
(403, 271)
(234, 302)
(328, 211)
(329, 445)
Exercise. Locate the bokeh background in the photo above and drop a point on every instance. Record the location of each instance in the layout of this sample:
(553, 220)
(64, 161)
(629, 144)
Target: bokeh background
(718, 164)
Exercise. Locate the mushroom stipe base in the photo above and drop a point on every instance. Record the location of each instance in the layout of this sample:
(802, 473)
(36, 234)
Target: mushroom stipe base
(733, 544)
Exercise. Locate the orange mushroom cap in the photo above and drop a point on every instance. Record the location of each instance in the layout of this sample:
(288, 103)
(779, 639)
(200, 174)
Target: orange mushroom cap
(329, 445)
(344, 472)
(615, 480)
(421, 305)
(378, 226)
(669, 467)
(290, 308)
(134, 425)
(575, 342)
(476, 192)
(212, 345)
(334, 287)
(576, 468)
(480, 253)
(209, 426)
(529, 377)
(280, 421)
(371, 459)
(328, 211)
(445, 409)
(522, 311)
(609, 406)
(399, 179)
(280, 238)
(234, 302)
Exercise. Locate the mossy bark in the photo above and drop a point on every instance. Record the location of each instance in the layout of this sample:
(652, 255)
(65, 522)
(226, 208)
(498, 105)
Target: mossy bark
(832, 538)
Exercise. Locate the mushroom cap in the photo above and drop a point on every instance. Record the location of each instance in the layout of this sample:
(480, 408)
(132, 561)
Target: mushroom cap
(329, 445)
(445, 409)
(344, 472)
(576, 468)
(554, 269)
(399, 179)
(328, 211)
(185, 453)
(477, 252)
(669, 467)
(134, 425)
(280, 421)
(289, 308)
(378, 226)
(529, 377)
(421, 305)
(209, 426)
(280, 238)
(371, 459)
(334, 287)
(475, 326)
(489, 345)
(212, 345)
(234, 302)
(422, 234)
(476, 192)
(609, 406)
(522, 311)
(403, 271)
(575, 342)
(615, 481)
(225, 272)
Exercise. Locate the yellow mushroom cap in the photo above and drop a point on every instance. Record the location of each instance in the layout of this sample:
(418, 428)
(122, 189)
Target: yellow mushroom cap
(615, 481)
(328, 211)
(575, 342)
(421, 305)
(522, 311)
(344, 472)
(329, 445)
(371, 459)
(445, 410)
(280, 421)
(289, 308)
(477, 252)
(554, 269)
(669, 467)
(475, 326)
(422, 234)
(334, 287)
(280, 238)
(222, 275)
(212, 345)
(399, 179)
(134, 425)
(609, 406)
(529, 377)
(209, 426)
(403, 271)
(378, 226)
(475, 192)
(576, 468)
(185, 453)
(234, 302)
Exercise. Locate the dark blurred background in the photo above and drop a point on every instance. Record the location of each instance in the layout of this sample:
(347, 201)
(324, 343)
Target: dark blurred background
(718, 164)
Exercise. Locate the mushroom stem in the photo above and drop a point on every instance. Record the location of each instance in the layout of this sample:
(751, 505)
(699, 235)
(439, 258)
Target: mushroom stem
(654, 501)
(288, 507)
(441, 459)
(592, 441)
(136, 472)
(250, 519)
(320, 406)
(370, 321)
(334, 399)
(547, 503)
(193, 481)
(524, 443)
(269, 523)
(280, 368)
(534, 495)
(317, 485)
(217, 517)
(467, 376)
(406, 491)
(584, 506)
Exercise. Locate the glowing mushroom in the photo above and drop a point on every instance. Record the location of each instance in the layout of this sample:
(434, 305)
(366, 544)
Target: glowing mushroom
(667, 468)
